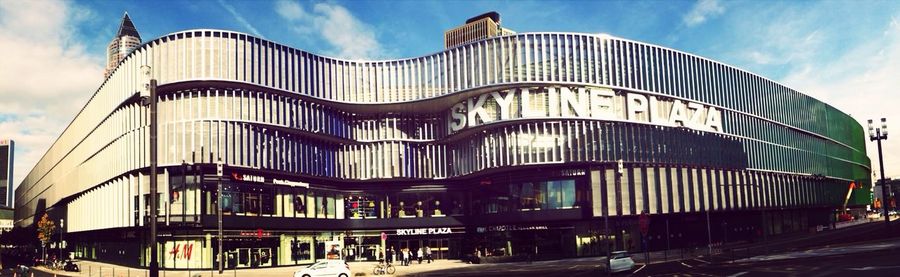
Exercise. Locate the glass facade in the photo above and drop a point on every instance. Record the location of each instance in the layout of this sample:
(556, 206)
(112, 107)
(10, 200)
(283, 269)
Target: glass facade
(331, 145)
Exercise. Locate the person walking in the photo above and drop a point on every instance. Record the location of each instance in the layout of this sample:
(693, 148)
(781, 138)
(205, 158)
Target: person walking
(406, 256)
(419, 254)
(428, 254)
(389, 255)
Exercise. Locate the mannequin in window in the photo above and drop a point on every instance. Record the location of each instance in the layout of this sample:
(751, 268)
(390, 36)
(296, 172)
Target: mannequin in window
(400, 210)
(437, 209)
(419, 212)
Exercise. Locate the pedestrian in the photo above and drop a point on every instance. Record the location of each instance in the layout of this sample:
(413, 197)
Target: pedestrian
(406, 256)
(428, 254)
(389, 255)
(419, 254)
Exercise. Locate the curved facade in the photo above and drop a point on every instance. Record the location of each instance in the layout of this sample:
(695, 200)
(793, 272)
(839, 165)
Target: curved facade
(531, 133)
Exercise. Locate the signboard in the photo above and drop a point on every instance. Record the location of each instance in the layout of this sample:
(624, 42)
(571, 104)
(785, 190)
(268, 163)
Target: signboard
(504, 228)
(582, 102)
(260, 179)
(423, 231)
(247, 177)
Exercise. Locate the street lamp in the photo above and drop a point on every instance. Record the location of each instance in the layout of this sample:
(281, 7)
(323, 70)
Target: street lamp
(62, 226)
(219, 170)
(148, 98)
(879, 134)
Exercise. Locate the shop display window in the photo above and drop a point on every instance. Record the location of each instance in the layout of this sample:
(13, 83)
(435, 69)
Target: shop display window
(426, 204)
(526, 196)
(358, 206)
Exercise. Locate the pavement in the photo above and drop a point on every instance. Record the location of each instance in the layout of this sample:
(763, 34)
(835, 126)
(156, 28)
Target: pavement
(780, 250)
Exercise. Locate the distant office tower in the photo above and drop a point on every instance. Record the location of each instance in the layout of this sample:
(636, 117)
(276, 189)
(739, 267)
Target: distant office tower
(480, 27)
(126, 40)
(6, 172)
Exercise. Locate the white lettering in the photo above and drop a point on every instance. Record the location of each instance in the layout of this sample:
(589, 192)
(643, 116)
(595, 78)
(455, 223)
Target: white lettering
(290, 183)
(678, 115)
(477, 109)
(525, 95)
(654, 111)
(696, 111)
(582, 102)
(504, 103)
(637, 104)
(424, 231)
(457, 119)
(602, 103)
(571, 101)
(553, 101)
(714, 119)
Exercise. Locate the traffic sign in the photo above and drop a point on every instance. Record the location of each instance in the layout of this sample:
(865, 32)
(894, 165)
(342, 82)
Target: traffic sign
(644, 223)
(383, 236)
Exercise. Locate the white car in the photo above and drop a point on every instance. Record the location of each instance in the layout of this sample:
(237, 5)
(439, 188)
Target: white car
(620, 261)
(327, 268)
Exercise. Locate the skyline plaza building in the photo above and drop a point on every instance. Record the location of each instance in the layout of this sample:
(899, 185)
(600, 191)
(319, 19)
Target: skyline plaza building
(125, 41)
(506, 145)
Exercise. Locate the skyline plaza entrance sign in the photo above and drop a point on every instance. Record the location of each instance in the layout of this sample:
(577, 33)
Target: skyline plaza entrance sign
(547, 102)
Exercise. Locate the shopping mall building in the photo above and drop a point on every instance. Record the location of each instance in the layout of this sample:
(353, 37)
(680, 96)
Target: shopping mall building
(504, 144)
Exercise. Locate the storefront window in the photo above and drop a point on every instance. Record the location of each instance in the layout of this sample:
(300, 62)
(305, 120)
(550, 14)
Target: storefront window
(299, 202)
(184, 198)
(247, 200)
(526, 196)
(427, 204)
(359, 206)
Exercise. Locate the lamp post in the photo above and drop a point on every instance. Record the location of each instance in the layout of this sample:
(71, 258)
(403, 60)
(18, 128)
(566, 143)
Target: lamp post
(219, 170)
(620, 169)
(148, 98)
(879, 134)
(62, 226)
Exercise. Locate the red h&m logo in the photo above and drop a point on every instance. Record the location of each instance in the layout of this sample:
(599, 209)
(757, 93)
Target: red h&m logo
(185, 251)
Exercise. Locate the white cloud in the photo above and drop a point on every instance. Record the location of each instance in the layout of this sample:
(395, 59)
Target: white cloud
(240, 19)
(46, 75)
(702, 11)
(349, 37)
(863, 82)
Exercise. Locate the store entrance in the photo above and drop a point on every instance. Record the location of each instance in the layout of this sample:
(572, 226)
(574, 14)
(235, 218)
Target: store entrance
(250, 253)
(440, 247)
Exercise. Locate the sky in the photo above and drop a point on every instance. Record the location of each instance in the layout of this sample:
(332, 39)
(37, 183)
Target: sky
(845, 53)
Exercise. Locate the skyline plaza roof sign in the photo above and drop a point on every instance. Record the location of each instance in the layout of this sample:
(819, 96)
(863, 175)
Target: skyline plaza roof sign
(582, 102)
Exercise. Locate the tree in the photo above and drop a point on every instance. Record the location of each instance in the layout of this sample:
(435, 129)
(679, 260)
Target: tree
(45, 228)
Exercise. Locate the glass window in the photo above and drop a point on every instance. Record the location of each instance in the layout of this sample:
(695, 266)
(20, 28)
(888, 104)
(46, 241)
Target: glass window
(358, 206)
(299, 202)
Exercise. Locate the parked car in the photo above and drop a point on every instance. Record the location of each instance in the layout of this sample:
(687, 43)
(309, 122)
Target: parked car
(71, 266)
(620, 261)
(327, 268)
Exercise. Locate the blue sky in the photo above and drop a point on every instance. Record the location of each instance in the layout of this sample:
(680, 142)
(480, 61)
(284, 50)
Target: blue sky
(846, 53)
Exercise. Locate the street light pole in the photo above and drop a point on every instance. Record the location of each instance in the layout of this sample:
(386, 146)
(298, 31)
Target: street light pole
(879, 134)
(219, 170)
(708, 235)
(150, 88)
(62, 226)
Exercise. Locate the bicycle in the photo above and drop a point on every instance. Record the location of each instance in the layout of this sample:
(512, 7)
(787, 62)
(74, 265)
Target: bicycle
(383, 268)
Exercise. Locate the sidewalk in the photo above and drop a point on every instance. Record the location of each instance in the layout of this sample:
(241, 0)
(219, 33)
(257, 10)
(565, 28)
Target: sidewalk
(726, 251)
(97, 269)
